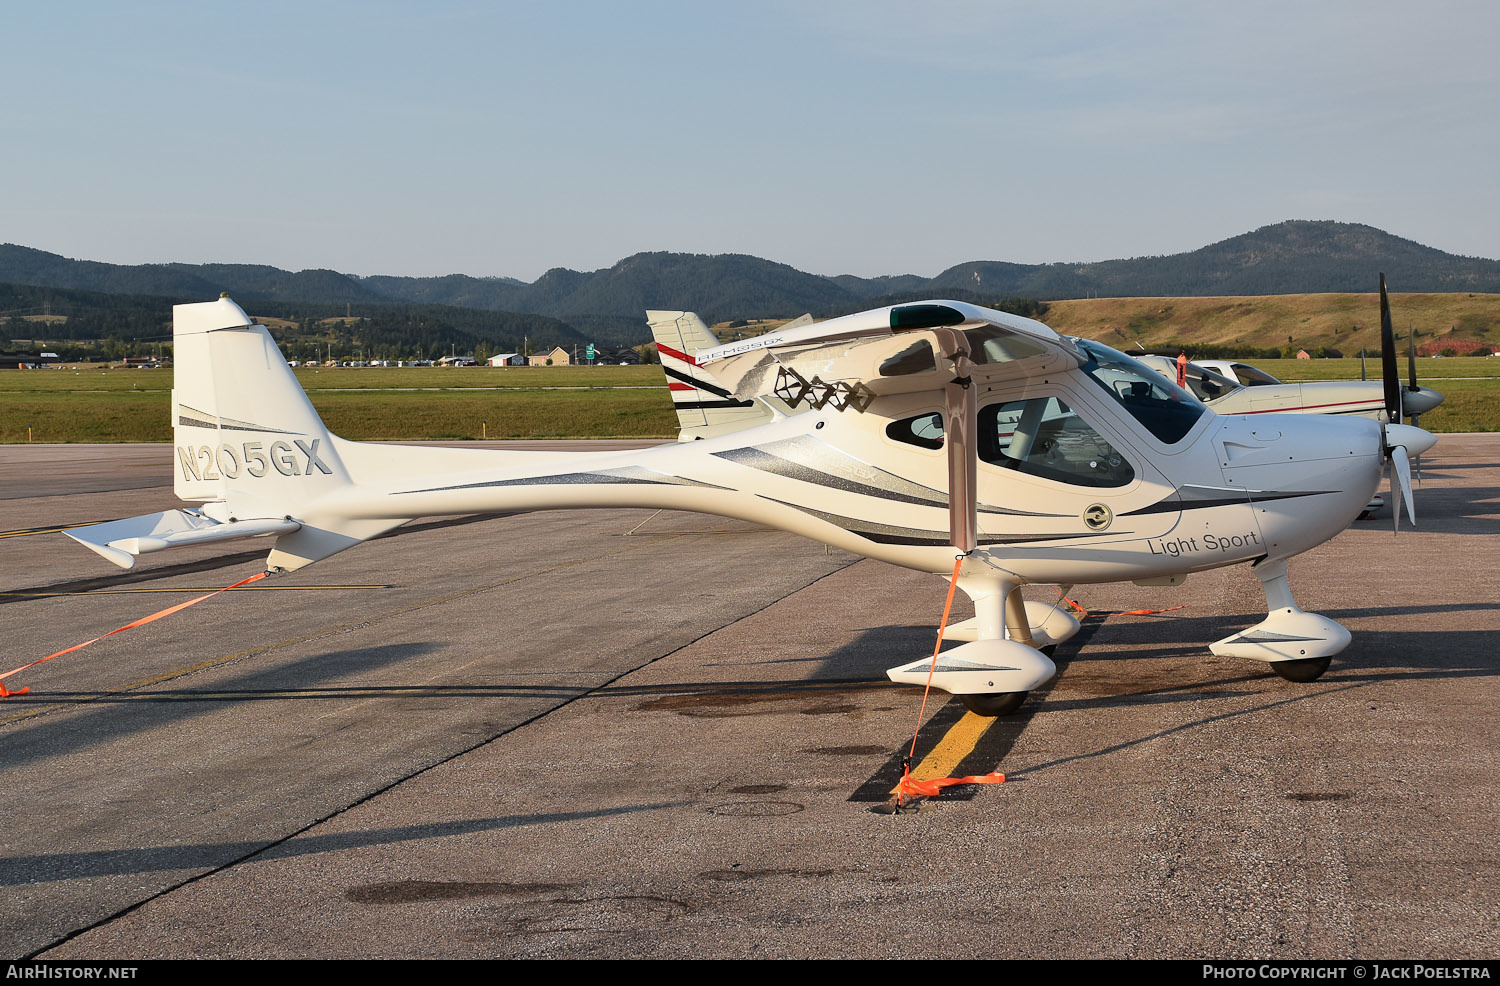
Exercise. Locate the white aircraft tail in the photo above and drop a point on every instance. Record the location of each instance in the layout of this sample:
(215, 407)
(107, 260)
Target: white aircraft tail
(704, 408)
(248, 446)
(243, 427)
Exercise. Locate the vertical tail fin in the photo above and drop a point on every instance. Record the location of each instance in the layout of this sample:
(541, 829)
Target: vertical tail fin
(249, 441)
(704, 409)
(243, 428)
(248, 445)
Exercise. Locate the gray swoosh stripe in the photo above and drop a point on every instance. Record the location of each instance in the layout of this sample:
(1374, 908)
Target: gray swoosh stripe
(205, 420)
(627, 475)
(810, 460)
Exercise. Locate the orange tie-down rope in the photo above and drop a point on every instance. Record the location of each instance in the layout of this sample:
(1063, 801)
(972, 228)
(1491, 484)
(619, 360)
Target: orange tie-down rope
(6, 693)
(1084, 614)
(931, 788)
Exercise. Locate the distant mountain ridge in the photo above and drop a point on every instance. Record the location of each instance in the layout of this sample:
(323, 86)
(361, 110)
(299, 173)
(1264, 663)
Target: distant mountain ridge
(1293, 257)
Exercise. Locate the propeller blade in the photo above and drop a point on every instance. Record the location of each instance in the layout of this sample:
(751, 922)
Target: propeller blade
(1390, 474)
(1411, 358)
(1411, 369)
(1388, 371)
(1402, 465)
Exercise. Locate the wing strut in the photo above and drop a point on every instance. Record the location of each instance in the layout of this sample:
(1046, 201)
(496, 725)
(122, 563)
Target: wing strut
(961, 431)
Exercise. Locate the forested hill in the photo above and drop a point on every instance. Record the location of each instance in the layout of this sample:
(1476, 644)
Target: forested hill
(1297, 257)
(186, 282)
(384, 328)
(723, 286)
(1292, 257)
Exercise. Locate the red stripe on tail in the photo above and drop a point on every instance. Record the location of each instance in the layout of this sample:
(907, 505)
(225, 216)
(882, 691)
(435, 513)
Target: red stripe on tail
(668, 350)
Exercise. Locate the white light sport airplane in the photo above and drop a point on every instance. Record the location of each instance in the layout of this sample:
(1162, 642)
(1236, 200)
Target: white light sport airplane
(1067, 462)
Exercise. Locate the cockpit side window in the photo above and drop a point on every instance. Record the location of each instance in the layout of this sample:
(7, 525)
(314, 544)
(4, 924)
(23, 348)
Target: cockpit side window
(1165, 409)
(923, 430)
(1040, 436)
(1044, 437)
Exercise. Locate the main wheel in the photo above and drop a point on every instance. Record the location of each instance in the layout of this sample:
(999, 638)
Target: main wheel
(994, 704)
(1304, 670)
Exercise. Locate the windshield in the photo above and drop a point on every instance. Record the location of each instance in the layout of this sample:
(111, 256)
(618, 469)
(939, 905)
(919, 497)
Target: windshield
(1251, 377)
(1207, 385)
(1165, 409)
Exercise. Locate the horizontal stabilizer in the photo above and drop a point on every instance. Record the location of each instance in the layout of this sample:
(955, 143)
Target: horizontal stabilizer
(121, 541)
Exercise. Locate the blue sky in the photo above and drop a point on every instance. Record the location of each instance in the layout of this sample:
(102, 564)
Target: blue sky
(839, 137)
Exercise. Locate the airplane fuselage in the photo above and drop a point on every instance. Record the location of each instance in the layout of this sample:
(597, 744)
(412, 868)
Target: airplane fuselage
(1229, 490)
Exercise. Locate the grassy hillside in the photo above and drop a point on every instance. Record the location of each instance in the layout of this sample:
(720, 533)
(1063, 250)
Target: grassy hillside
(1337, 321)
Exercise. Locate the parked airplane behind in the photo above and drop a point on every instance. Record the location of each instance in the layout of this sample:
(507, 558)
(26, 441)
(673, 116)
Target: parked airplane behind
(1232, 387)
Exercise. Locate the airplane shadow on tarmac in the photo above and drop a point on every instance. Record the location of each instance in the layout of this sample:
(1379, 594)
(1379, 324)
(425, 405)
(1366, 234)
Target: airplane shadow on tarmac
(1191, 635)
(1019, 772)
(1376, 659)
(108, 717)
(156, 572)
(1446, 510)
(48, 867)
(858, 665)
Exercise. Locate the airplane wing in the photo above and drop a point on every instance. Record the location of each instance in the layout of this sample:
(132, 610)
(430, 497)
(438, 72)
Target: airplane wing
(893, 350)
(944, 346)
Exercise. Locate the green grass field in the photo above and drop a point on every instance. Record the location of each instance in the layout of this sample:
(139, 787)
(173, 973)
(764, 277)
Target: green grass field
(416, 403)
(92, 377)
(364, 404)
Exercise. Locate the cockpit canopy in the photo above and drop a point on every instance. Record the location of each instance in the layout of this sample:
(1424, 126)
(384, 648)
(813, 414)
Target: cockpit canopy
(1165, 409)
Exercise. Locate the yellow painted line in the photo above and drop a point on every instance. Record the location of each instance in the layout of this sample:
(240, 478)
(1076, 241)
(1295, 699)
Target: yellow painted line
(956, 744)
(244, 588)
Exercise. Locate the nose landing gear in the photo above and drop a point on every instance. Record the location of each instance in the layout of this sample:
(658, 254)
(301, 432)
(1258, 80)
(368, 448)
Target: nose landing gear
(1298, 645)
